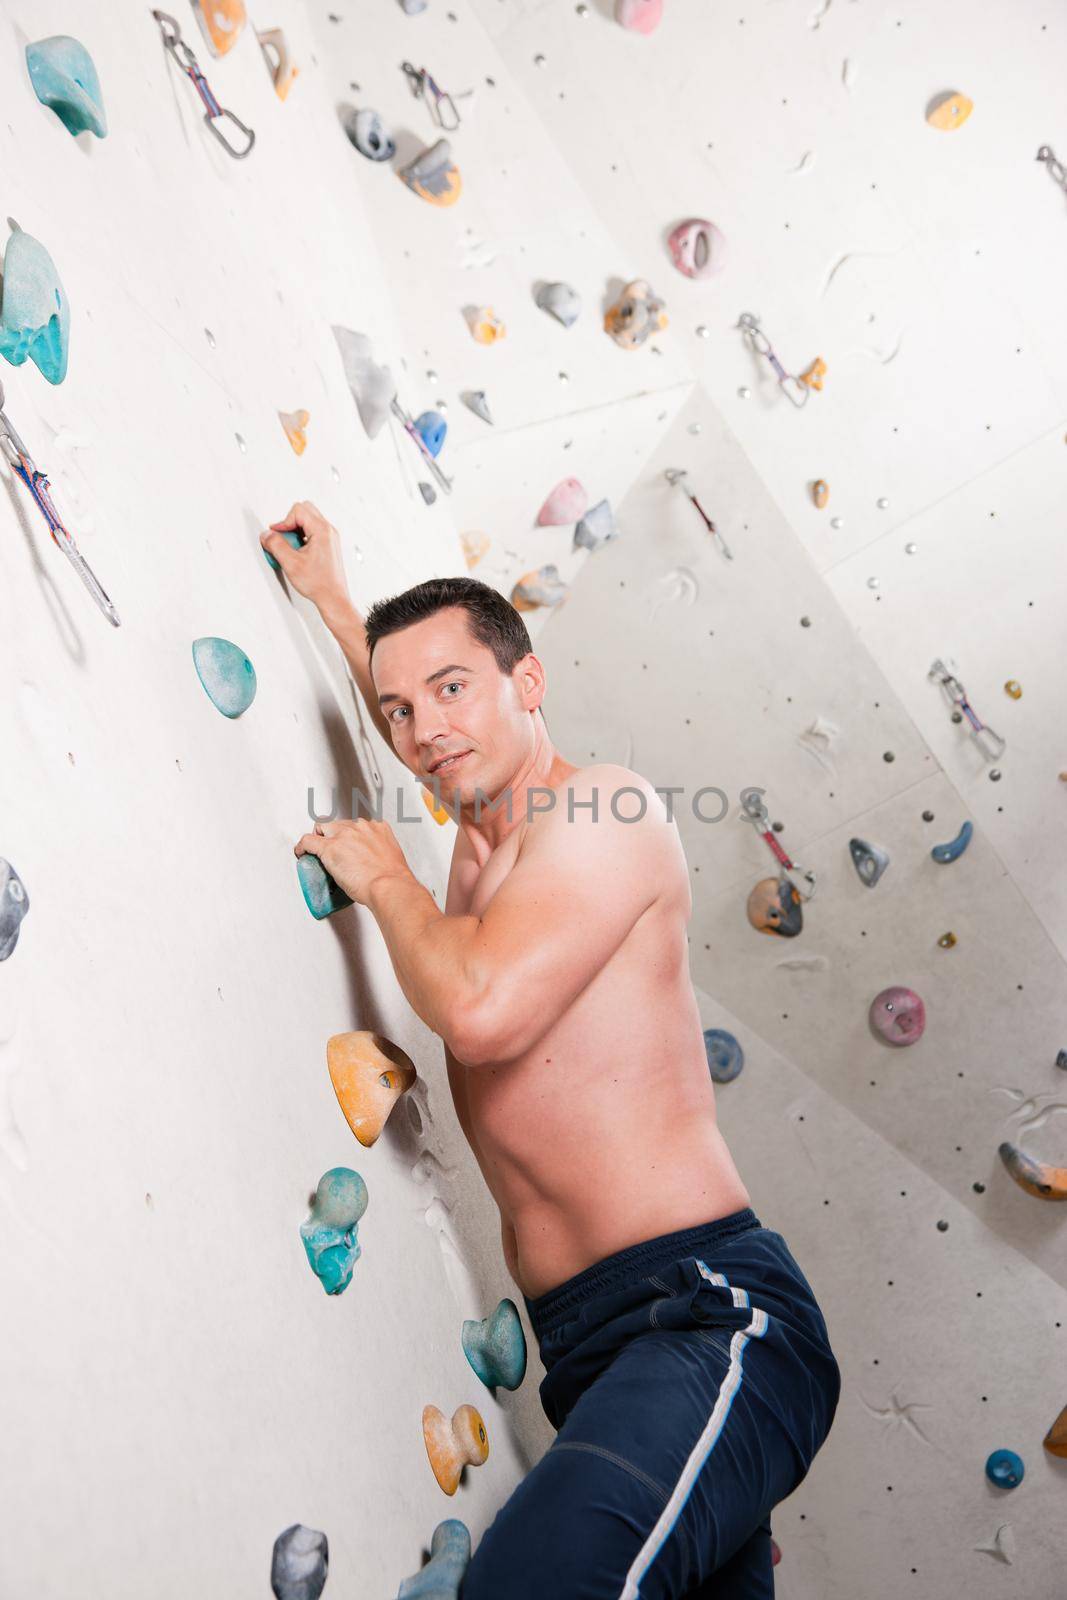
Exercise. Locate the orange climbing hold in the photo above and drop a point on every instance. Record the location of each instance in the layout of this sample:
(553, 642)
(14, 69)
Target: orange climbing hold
(369, 1074)
(453, 1445)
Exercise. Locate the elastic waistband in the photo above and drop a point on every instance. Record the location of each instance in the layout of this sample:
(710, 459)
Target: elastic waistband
(637, 1260)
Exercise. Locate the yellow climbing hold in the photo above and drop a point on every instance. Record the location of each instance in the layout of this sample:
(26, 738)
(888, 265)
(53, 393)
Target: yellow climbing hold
(295, 425)
(485, 325)
(438, 813)
(812, 378)
(949, 110)
(820, 492)
(475, 546)
(369, 1074)
(1014, 688)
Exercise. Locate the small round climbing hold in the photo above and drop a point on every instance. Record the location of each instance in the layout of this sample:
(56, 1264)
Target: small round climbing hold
(995, 775)
(744, 393)
(837, 522)
(910, 548)
(820, 492)
(805, 622)
(882, 503)
(1005, 1469)
(227, 675)
(947, 940)
(1014, 688)
(898, 1015)
(725, 1055)
(873, 583)
(697, 248)
(703, 331)
(639, 16)
(949, 110)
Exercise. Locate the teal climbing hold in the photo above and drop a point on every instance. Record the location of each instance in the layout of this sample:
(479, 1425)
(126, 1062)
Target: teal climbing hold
(1005, 1469)
(330, 1234)
(725, 1055)
(292, 539)
(228, 677)
(34, 314)
(440, 1578)
(322, 895)
(496, 1347)
(65, 79)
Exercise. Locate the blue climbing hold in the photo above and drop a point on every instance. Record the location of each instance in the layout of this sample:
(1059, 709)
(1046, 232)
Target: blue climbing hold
(322, 895)
(869, 860)
(725, 1055)
(299, 1563)
(34, 314)
(292, 539)
(496, 1347)
(14, 904)
(955, 847)
(1005, 1469)
(228, 677)
(431, 428)
(65, 79)
(330, 1234)
(440, 1578)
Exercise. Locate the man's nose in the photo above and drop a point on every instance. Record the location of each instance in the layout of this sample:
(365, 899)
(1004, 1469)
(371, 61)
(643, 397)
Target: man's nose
(430, 724)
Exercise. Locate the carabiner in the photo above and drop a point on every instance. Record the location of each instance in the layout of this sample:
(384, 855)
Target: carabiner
(22, 465)
(795, 392)
(422, 87)
(187, 62)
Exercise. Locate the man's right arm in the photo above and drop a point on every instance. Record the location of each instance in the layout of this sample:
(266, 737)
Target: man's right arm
(317, 572)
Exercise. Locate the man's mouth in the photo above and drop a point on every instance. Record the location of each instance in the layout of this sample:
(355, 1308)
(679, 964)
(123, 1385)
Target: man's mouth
(449, 762)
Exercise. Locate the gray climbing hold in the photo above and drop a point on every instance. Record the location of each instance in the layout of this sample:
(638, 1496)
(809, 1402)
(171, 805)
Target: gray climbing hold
(366, 131)
(596, 528)
(299, 1562)
(560, 301)
(869, 861)
(474, 400)
(372, 387)
(411, 8)
(428, 492)
(14, 904)
(544, 587)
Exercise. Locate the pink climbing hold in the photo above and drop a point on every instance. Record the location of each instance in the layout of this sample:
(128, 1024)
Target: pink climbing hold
(567, 503)
(640, 16)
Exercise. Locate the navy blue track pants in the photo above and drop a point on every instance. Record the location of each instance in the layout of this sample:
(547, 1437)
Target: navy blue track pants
(691, 1382)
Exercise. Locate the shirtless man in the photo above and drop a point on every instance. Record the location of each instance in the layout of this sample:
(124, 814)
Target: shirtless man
(688, 1368)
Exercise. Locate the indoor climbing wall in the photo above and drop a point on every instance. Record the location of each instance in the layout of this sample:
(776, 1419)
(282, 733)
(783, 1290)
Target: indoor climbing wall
(797, 262)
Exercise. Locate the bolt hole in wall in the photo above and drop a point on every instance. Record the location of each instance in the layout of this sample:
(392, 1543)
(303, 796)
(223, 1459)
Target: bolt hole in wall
(246, 123)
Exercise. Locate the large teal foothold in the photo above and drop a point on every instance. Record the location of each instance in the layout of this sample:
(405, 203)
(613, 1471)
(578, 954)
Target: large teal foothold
(330, 1233)
(955, 847)
(65, 79)
(496, 1347)
(229, 678)
(1005, 1469)
(34, 314)
(440, 1578)
(322, 895)
(725, 1055)
(292, 539)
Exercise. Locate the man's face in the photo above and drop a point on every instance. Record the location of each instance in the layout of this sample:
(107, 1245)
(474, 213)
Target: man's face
(443, 694)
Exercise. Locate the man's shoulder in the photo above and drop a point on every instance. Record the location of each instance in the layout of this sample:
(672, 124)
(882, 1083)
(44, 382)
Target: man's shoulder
(618, 789)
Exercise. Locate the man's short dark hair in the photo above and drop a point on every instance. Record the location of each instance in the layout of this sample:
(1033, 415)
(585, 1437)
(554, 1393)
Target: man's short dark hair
(492, 620)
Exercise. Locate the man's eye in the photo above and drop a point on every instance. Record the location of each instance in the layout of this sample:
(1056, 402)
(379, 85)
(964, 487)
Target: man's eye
(454, 685)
